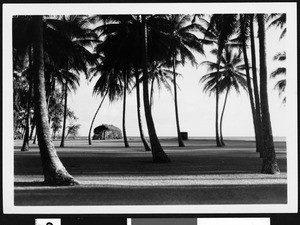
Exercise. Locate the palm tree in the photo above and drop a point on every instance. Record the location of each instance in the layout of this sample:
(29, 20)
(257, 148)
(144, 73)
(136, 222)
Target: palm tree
(244, 36)
(230, 77)
(53, 169)
(22, 27)
(107, 84)
(280, 71)
(158, 153)
(258, 122)
(73, 36)
(137, 87)
(270, 165)
(182, 41)
(219, 30)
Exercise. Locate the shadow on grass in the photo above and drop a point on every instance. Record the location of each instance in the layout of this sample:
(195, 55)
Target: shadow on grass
(30, 184)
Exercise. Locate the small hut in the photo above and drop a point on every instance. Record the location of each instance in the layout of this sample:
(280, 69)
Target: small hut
(106, 132)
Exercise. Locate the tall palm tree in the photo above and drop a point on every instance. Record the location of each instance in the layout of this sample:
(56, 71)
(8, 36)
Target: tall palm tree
(73, 36)
(54, 171)
(270, 165)
(280, 71)
(158, 153)
(218, 30)
(258, 131)
(182, 41)
(244, 36)
(107, 85)
(23, 27)
(231, 76)
(137, 87)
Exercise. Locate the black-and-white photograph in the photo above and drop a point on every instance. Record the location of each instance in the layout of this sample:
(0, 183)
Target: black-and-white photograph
(150, 108)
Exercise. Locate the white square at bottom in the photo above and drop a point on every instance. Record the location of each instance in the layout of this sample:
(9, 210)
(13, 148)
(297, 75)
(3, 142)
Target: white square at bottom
(49, 221)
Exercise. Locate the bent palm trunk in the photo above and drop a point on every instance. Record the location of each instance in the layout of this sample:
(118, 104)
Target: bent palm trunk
(25, 146)
(146, 146)
(158, 153)
(269, 165)
(250, 92)
(180, 142)
(53, 169)
(218, 142)
(221, 118)
(62, 143)
(90, 131)
(124, 112)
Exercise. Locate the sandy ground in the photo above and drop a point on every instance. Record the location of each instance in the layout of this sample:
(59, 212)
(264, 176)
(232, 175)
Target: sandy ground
(110, 174)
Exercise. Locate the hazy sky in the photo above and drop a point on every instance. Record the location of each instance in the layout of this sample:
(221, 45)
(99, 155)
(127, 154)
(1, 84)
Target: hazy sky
(196, 109)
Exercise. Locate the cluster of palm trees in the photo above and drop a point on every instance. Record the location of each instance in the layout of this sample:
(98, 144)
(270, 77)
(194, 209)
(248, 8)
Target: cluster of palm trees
(122, 51)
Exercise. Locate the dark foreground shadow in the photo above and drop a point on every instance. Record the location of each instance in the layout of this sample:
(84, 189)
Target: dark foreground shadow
(30, 184)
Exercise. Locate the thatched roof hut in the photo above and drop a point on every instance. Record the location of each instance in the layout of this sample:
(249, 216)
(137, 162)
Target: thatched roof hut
(105, 132)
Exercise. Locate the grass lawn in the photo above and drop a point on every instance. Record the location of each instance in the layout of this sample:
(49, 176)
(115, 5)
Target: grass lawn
(110, 174)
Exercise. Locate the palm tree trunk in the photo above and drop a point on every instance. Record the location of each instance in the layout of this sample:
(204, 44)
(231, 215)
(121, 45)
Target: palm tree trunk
(250, 92)
(25, 146)
(32, 127)
(158, 153)
(53, 169)
(138, 101)
(222, 114)
(62, 143)
(219, 144)
(180, 142)
(259, 140)
(90, 131)
(152, 92)
(269, 165)
(35, 137)
(124, 110)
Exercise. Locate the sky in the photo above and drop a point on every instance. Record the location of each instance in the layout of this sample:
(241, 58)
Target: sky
(196, 109)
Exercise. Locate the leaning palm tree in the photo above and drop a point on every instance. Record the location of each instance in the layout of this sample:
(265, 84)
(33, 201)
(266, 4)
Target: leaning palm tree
(182, 41)
(231, 76)
(218, 30)
(158, 153)
(73, 36)
(107, 85)
(269, 165)
(280, 72)
(54, 171)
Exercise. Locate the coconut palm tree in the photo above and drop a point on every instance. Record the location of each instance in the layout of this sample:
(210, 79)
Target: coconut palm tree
(22, 27)
(218, 30)
(54, 171)
(73, 36)
(244, 27)
(130, 46)
(158, 153)
(182, 41)
(138, 100)
(231, 76)
(258, 122)
(269, 165)
(107, 85)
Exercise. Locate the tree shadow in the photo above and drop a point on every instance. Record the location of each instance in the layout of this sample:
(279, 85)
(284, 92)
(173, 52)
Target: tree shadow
(29, 184)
